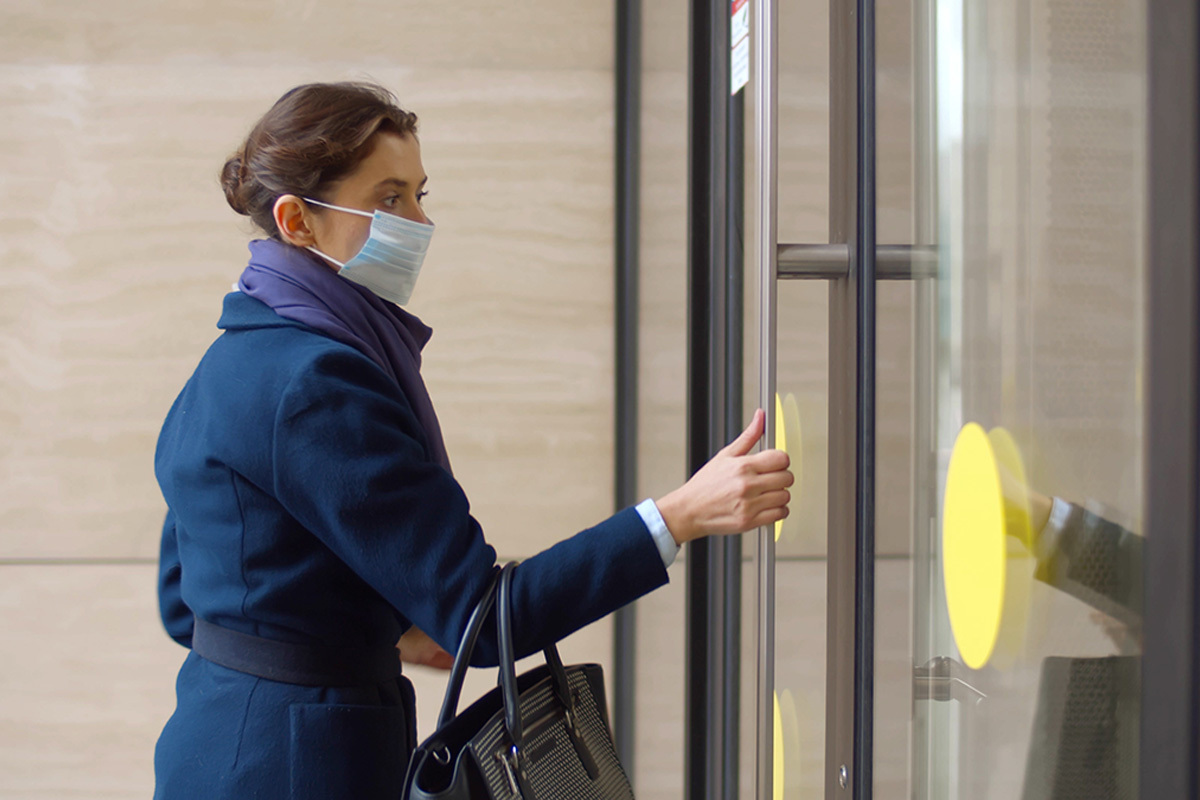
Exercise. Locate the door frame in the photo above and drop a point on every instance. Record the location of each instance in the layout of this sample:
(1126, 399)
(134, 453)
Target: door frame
(1170, 732)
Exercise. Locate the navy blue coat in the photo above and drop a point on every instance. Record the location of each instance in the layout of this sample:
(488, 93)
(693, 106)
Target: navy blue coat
(303, 507)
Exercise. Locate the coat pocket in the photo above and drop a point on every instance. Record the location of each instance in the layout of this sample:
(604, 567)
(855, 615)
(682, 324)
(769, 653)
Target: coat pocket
(345, 751)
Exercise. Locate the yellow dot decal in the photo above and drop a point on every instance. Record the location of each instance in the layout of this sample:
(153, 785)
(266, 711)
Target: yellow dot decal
(974, 550)
(791, 746)
(781, 443)
(791, 424)
(778, 758)
(787, 439)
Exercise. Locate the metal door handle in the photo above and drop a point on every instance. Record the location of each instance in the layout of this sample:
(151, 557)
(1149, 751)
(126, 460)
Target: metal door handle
(942, 679)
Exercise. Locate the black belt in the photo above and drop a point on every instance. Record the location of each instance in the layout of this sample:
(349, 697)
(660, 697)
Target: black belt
(288, 662)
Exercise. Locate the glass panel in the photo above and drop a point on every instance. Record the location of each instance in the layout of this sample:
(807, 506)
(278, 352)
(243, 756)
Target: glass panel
(894, 211)
(902, 216)
(893, 536)
(802, 378)
(1027, 588)
(803, 157)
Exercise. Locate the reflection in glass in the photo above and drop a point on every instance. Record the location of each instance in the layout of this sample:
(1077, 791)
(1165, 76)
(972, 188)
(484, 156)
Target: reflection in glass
(1039, 324)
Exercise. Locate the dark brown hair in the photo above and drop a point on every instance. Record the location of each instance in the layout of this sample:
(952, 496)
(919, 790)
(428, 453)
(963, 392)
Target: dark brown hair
(312, 136)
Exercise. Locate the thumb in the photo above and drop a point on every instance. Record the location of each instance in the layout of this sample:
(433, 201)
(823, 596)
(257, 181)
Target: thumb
(744, 443)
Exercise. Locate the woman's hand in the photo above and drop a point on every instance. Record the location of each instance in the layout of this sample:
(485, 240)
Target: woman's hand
(734, 492)
(416, 647)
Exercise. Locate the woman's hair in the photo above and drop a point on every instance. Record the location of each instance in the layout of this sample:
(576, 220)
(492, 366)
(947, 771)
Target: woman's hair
(313, 135)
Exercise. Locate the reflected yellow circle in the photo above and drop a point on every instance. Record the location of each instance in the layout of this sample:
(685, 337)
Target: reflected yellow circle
(974, 550)
(1014, 485)
(1019, 562)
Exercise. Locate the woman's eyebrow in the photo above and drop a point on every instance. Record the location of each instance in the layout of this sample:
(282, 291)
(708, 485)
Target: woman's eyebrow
(398, 183)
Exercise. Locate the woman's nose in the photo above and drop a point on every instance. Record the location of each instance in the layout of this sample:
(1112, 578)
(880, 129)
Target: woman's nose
(417, 214)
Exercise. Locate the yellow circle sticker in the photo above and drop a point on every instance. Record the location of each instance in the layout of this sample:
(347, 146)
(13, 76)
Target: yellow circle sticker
(778, 758)
(787, 439)
(974, 550)
(786, 756)
(781, 443)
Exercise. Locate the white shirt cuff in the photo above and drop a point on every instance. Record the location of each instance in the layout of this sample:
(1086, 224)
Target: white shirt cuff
(663, 539)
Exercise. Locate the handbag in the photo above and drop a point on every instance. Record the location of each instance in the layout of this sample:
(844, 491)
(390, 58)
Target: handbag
(542, 735)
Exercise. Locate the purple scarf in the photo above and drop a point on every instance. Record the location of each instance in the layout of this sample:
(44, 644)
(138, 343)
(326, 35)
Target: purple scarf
(300, 287)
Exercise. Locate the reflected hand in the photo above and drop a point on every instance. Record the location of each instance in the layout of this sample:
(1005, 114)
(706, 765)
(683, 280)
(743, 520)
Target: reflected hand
(734, 492)
(1015, 495)
(416, 647)
(1127, 640)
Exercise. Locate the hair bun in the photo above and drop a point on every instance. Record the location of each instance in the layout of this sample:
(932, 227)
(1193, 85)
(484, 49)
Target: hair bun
(314, 135)
(231, 183)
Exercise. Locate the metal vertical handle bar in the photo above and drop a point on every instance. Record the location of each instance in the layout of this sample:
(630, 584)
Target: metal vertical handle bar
(766, 96)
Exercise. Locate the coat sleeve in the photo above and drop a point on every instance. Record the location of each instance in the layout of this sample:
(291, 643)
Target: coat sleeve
(176, 616)
(1095, 561)
(348, 463)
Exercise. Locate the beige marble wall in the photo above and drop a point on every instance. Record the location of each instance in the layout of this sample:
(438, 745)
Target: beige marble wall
(127, 247)
(118, 246)
(662, 462)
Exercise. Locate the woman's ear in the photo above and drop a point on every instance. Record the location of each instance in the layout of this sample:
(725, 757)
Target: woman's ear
(291, 220)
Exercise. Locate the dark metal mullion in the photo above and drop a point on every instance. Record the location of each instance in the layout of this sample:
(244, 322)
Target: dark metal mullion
(864, 501)
(1170, 728)
(627, 104)
(706, 685)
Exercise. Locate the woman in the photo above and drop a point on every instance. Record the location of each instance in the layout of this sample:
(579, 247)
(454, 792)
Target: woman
(313, 520)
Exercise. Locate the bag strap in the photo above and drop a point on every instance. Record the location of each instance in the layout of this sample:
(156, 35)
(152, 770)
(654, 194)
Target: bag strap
(462, 659)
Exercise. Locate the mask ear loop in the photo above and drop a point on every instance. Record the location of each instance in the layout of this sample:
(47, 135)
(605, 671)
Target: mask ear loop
(340, 208)
(331, 259)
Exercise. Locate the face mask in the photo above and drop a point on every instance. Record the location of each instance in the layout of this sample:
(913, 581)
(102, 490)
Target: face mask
(390, 259)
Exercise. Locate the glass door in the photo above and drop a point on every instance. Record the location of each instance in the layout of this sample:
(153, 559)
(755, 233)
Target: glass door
(959, 593)
(1029, 613)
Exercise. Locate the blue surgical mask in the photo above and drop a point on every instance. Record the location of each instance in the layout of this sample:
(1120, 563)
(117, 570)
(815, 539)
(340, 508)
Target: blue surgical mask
(390, 260)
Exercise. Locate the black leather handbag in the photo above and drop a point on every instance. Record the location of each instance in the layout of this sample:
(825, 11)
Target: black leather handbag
(543, 735)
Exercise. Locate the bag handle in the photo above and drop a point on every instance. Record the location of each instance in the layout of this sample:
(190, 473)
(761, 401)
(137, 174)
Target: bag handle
(508, 663)
(466, 647)
(462, 659)
(499, 593)
(508, 666)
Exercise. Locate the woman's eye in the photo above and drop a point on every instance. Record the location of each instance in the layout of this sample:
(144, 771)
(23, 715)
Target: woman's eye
(421, 195)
